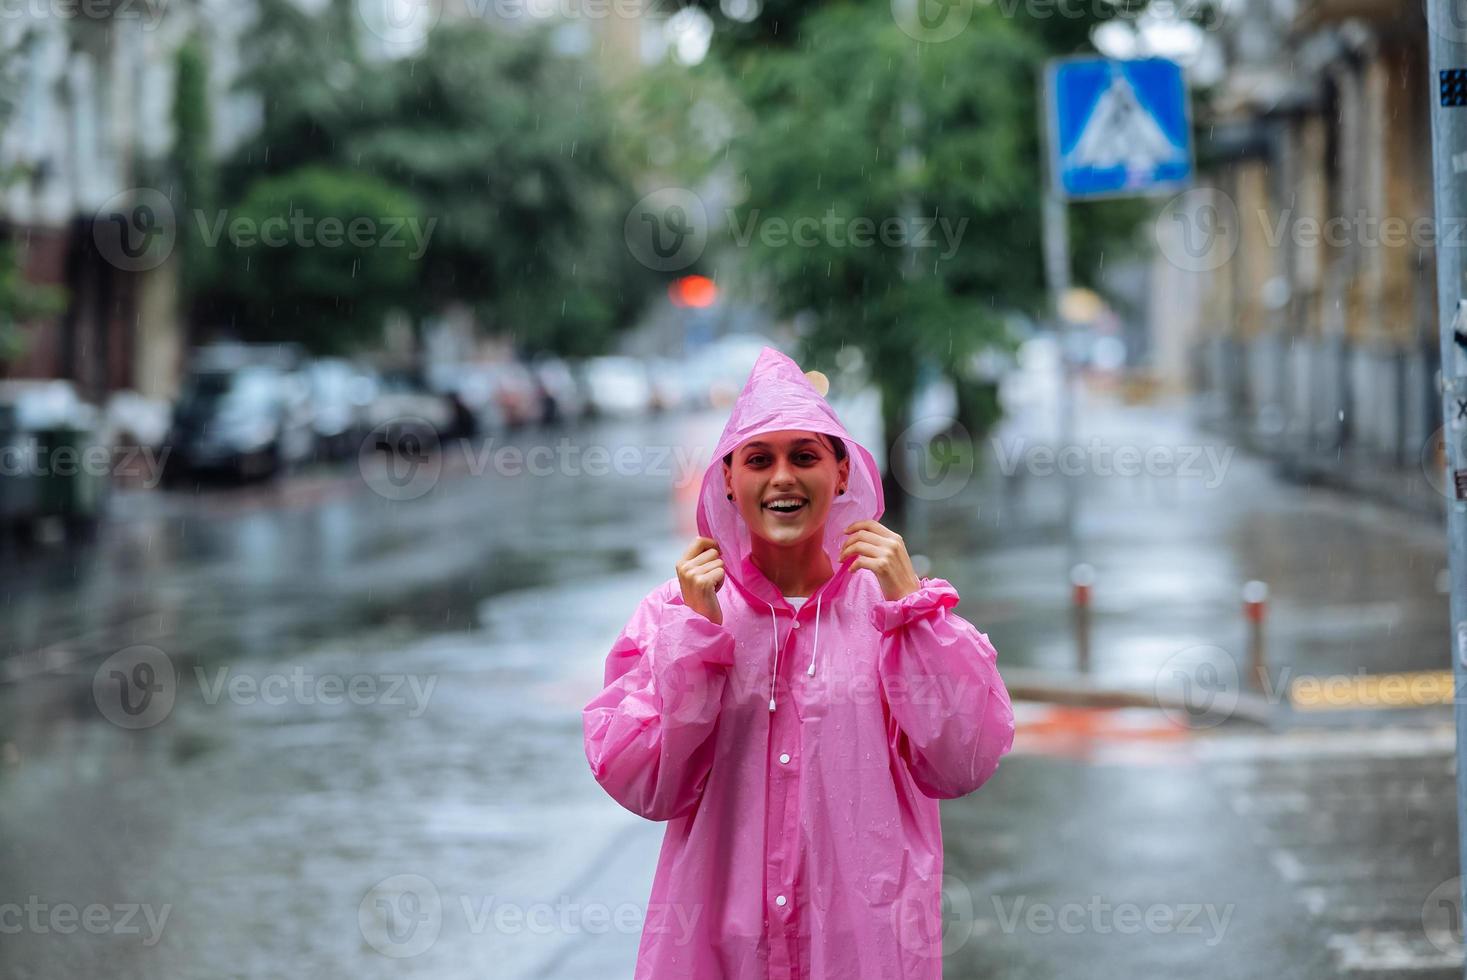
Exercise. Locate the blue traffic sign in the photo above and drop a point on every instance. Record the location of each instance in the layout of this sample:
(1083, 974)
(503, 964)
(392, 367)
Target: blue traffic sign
(1118, 127)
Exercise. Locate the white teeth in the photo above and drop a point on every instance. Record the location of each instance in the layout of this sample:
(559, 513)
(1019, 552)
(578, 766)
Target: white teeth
(785, 504)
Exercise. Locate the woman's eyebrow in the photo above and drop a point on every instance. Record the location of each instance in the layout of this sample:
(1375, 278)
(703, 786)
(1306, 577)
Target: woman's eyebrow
(802, 441)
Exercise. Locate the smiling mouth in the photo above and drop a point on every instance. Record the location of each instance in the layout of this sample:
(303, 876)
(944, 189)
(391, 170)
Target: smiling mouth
(787, 505)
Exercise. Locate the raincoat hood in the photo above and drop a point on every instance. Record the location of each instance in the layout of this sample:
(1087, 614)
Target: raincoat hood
(779, 396)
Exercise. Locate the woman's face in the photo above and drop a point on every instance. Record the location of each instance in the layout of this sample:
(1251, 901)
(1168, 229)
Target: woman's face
(783, 483)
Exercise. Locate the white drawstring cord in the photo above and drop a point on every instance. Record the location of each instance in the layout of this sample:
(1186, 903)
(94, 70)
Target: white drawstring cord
(774, 632)
(811, 671)
(774, 629)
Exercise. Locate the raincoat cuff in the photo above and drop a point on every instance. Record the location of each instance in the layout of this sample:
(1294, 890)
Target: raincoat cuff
(935, 595)
(695, 635)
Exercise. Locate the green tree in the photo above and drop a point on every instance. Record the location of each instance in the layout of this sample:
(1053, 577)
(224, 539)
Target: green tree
(924, 139)
(856, 119)
(20, 299)
(506, 144)
(192, 164)
(320, 256)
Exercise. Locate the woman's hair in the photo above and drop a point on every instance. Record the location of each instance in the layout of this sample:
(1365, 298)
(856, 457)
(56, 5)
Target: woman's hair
(837, 446)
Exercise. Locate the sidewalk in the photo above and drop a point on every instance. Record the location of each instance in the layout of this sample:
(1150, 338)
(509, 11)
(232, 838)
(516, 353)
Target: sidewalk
(1355, 588)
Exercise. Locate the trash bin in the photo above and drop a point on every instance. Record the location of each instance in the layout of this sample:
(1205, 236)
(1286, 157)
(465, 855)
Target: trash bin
(70, 485)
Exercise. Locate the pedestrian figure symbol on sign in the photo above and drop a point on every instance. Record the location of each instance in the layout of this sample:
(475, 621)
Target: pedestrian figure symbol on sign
(1118, 127)
(1120, 133)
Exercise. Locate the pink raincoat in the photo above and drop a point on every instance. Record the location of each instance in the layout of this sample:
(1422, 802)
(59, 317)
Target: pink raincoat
(798, 756)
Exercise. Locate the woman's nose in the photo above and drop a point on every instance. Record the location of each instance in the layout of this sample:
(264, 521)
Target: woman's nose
(784, 473)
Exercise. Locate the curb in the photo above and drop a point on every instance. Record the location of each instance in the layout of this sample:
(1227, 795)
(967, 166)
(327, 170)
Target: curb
(1087, 692)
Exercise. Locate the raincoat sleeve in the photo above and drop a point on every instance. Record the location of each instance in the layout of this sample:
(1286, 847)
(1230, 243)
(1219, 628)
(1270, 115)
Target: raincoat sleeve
(939, 676)
(650, 732)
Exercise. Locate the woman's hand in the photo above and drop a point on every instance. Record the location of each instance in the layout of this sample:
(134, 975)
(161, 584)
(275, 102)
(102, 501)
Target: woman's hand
(884, 552)
(700, 573)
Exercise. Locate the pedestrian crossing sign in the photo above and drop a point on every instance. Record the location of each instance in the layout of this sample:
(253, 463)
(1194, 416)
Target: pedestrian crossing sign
(1117, 128)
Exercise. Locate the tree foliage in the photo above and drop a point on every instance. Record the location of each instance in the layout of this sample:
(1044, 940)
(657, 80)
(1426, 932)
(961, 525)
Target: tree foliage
(503, 143)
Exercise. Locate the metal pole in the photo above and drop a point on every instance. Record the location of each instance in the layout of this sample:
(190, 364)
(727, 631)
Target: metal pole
(1255, 610)
(1057, 277)
(1448, 94)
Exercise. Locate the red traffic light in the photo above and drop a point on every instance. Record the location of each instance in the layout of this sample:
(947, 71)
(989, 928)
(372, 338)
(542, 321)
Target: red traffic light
(698, 292)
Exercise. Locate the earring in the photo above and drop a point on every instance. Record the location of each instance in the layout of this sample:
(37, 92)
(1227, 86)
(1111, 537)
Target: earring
(841, 491)
(730, 496)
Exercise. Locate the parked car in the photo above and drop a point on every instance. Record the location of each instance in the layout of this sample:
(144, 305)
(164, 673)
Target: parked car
(242, 416)
(718, 371)
(341, 397)
(56, 463)
(405, 407)
(618, 386)
(561, 392)
(517, 392)
(669, 381)
(472, 396)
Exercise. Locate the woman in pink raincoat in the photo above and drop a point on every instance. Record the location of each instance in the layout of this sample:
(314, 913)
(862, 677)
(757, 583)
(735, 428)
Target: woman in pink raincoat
(797, 729)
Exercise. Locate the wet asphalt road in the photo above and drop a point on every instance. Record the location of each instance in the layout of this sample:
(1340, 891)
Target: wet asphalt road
(370, 762)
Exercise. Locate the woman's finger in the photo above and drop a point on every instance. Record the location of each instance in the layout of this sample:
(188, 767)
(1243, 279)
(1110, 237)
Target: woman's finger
(698, 546)
(864, 548)
(876, 528)
(700, 558)
(871, 537)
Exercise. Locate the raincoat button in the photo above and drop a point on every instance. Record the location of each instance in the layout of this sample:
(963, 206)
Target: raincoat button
(780, 901)
(797, 624)
(784, 758)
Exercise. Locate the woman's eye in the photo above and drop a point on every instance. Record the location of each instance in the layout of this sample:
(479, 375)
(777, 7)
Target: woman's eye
(806, 458)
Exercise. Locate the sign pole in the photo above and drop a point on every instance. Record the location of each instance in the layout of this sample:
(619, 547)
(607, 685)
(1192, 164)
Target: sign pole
(1448, 94)
(1056, 231)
